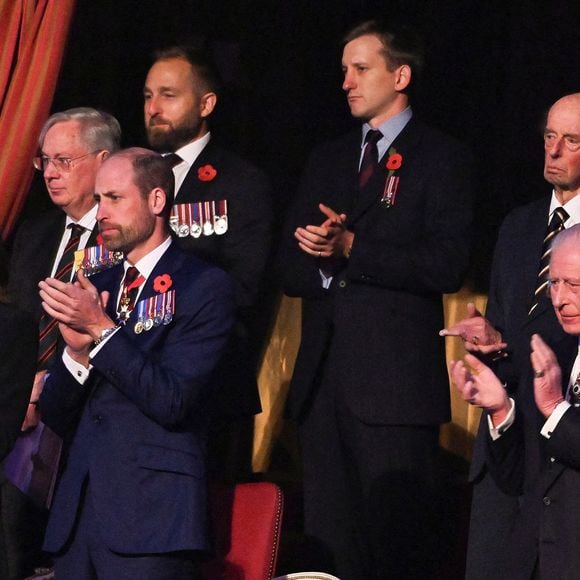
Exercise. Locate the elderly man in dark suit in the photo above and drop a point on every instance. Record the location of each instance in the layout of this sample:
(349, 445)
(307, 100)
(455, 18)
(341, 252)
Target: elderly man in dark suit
(222, 214)
(533, 439)
(72, 145)
(379, 231)
(134, 385)
(518, 308)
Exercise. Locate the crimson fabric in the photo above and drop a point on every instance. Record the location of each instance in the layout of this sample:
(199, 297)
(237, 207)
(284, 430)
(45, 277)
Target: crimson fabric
(246, 522)
(33, 34)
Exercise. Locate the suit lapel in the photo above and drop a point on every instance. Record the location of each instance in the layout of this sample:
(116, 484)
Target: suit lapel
(372, 192)
(192, 186)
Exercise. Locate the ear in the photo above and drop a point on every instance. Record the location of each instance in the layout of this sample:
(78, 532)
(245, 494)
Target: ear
(157, 201)
(207, 104)
(102, 155)
(403, 77)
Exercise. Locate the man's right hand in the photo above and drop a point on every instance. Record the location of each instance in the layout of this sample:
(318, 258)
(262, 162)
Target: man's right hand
(477, 333)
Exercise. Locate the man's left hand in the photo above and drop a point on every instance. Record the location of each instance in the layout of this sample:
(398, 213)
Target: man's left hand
(547, 376)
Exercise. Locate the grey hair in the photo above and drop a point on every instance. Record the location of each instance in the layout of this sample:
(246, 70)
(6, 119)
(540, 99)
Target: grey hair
(571, 234)
(99, 130)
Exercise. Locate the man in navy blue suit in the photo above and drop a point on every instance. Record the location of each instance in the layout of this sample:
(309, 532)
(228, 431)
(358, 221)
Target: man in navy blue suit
(379, 231)
(132, 388)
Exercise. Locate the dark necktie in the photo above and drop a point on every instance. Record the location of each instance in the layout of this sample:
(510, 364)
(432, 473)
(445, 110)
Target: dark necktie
(48, 327)
(370, 159)
(555, 226)
(173, 159)
(129, 291)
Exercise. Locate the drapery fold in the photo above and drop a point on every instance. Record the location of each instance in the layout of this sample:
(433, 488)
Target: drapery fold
(33, 34)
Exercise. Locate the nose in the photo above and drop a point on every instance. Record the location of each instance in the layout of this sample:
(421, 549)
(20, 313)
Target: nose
(555, 149)
(558, 294)
(348, 82)
(151, 106)
(101, 213)
(50, 171)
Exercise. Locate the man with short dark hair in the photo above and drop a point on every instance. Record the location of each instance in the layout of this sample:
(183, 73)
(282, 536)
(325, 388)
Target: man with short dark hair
(379, 231)
(222, 214)
(133, 388)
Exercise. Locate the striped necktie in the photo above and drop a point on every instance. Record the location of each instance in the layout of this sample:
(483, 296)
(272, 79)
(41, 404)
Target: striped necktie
(48, 326)
(555, 226)
(370, 159)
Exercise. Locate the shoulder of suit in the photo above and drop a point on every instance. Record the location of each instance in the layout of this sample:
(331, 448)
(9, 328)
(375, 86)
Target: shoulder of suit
(53, 218)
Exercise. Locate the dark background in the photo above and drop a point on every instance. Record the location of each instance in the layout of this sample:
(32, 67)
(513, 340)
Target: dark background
(493, 69)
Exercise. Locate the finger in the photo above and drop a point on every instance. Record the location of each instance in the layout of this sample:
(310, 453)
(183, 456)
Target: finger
(486, 348)
(315, 253)
(458, 329)
(472, 311)
(105, 298)
(309, 237)
(329, 212)
(476, 364)
(85, 283)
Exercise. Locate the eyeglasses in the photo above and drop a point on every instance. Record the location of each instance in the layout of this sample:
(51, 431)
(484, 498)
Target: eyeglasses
(573, 286)
(64, 164)
(571, 142)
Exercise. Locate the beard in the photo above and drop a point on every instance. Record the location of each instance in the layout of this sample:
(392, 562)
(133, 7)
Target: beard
(125, 238)
(167, 138)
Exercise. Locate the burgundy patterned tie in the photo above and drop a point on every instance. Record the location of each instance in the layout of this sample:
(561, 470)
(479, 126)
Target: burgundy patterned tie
(370, 159)
(48, 327)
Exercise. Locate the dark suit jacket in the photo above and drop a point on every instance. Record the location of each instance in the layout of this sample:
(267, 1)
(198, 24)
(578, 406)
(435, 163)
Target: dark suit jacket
(519, 461)
(142, 417)
(376, 330)
(32, 258)
(243, 252)
(18, 346)
(513, 281)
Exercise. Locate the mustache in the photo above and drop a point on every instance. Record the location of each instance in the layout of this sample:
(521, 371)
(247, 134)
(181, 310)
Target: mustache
(155, 121)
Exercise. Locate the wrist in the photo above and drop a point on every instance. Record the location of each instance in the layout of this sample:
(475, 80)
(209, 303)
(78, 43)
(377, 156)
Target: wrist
(103, 334)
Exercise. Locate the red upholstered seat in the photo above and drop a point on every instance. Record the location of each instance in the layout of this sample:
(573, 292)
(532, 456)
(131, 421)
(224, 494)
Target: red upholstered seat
(246, 521)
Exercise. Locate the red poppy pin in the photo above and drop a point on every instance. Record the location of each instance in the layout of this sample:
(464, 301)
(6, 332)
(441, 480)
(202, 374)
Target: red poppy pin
(206, 173)
(162, 283)
(394, 162)
(100, 240)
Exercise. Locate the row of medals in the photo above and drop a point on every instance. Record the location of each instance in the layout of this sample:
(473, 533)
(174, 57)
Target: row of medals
(189, 226)
(163, 315)
(98, 258)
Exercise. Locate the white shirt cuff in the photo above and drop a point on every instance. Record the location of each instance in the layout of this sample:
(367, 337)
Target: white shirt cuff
(325, 280)
(77, 370)
(554, 419)
(497, 432)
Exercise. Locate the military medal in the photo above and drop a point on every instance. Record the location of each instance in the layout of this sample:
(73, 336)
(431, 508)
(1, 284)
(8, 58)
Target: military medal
(168, 310)
(207, 220)
(221, 220)
(148, 324)
(183, 229)
(390, 191)
(157, 319)
(174, 219)
(195, 229)
(139, 325)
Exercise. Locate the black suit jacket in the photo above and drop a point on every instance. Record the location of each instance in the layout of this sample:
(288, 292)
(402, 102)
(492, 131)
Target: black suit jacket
(243, 252)
(519, 461)
(375, 331)
(32, 258)
(18, 346)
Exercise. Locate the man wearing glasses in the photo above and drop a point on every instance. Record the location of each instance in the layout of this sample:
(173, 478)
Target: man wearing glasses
(73, 144)
(519, 307)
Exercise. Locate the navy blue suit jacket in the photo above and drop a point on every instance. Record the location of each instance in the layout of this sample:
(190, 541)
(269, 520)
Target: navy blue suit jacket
(141, 420)
(375, 331)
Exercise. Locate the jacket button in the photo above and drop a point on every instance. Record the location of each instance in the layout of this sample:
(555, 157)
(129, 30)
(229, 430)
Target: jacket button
(547, 500)
(342, 283)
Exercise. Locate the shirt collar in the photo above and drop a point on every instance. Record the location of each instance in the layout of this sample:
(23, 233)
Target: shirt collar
(88, 221)
(146, 264)
(389, 128)
(572, 207)
(190, 152)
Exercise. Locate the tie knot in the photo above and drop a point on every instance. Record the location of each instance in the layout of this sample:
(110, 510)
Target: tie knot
(560, 216)
(76, 231)
(173, 159)
(373, 136)
(131, 275)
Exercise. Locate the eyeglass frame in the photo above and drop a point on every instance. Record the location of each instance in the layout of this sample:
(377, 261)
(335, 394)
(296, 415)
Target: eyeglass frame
(40, 162)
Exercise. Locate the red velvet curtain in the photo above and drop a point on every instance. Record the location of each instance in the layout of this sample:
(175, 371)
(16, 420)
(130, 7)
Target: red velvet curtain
(33, 35)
